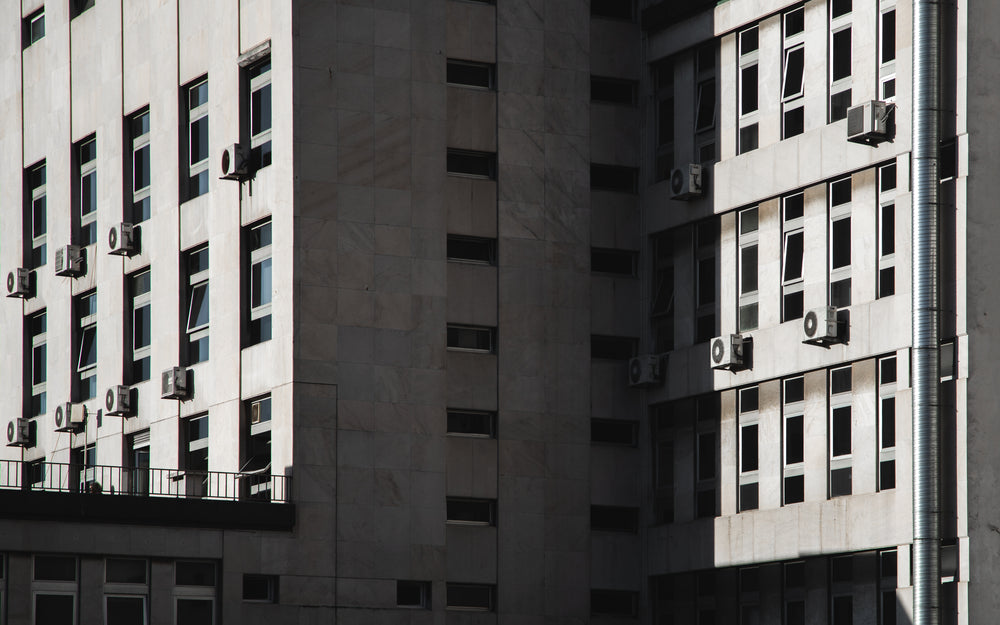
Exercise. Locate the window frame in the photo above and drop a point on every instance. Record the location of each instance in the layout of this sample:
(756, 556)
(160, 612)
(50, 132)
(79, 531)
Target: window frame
(839, 274)
(793, 103)
(839, 86)
(792, 226)
(749, 425)
(887, 386)
(85, 326)
(749, 300)
(197, 282)
(36, 227)
(138, 126)
(259, 262)
(490, 69)
(195, 476)
(489, 331)
(37, 344)
(748, 63)
(196, 180)
(791, 409)
(86, 180)
(886, 66)
(33, 27)
(840, 400)
(259, 108)
(886, 265)
(139, 298)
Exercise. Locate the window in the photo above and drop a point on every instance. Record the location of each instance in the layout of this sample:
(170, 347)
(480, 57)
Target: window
(706, 105)
(617, 262)
(261, 289)
(259, 76)
(196, 325)
(141, 325)
(85, 307)
(137, 463)
(794, 574)
(842, 590)
(86, 155)
(33, 27)
(260, 588)
(613, 9)
(749, 449)
(194, 592)
(472, 164)
(614, 602)
(748, 85)
(472, 423)
(887, 423)
(793, 74)
(83, 469)
(749, 580)
(54, 587)
(614, 178)
(126, 591)
(840, 432)
(887, 230)
(665, 433)
(139, 172)
(614, 432)
(194, 149)
(36, 327)
(840, 59)
(887, 51)
(471, 511)
(255, 446)
(35, 216)
(194, 573)
(706, 240)
(612, 347)
(664, 79)
(611, 90)
(748, 269)
(79, 6)
(887, 580)
(840, 243)
(194, 455)
(614, 519)
(412, 594)
(479, 597)
(793, 407)
(471, 74)
(793, 250)
(478, 250)
(472, 338)
(662, 312)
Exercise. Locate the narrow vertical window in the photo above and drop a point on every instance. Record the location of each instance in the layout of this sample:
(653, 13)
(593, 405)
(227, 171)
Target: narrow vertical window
(139, 174)
(840, 59)
(840, 243)
(55, 589)
(749, 579)
(259, 76)
(707, 456)
(137, 463)
(87, 189)
(794, 592)
(887, 230)
(34, 27)
(793, 250)
(85, 309)
(748, 90)
(749, 449)
(887, 423)
(842, 590)
(35, 217)
(663, 292)
(748, 237)
(841, 443)
(887, 50)
(706, 241)
(707, 105)
(887, 581)
(37, 371)
(663, 462)
(141, 325)
(793, 73)
(255, 446)
(194, 447)
(196, 325)
(793, 408)
(259, 247)
(664, 79)
(195, 148)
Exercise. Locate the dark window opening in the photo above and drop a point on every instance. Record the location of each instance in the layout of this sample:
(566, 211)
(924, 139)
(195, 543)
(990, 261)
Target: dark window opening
(473, 164)
(613, 90)
(411, 594)
(618, 262)
(471, 74)
(794, 489)
(481, 597)
(260, 588)
(614, 178)
(471, 511)
(472, 423)
(472, 338)
(472, 249)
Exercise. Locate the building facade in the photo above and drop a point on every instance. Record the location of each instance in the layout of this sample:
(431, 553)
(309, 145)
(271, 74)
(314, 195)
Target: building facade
(461, 311)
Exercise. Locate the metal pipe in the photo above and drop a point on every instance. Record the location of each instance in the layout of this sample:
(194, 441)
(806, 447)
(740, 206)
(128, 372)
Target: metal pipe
(925, 365)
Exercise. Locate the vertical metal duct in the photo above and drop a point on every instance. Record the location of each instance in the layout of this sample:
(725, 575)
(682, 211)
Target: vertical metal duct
(925, 366)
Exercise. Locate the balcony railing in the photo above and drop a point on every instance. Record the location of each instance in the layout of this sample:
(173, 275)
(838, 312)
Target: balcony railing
(144, 482)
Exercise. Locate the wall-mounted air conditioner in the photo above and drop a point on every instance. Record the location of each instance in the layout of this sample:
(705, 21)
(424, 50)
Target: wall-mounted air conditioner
(645, 370)
(70, 417)
(121, 240)
(869, 123)
(18, 433)
(727, 352)
(820, 327)
(686, 182)
(174, 383)
(69, 261)
(19, 282)
(116, 400)
(235, 163)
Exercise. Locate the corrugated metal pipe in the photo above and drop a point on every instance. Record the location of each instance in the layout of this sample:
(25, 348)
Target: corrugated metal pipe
(925, 366)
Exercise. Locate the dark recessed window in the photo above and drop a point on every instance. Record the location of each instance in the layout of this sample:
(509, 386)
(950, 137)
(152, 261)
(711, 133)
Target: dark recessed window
(614, 519)
(472, 423)
(613, 90)
(472, 338)
(840, 482)
(748, 138)
(55, 569)
(840, 380)
(34, 27)
(479, 597)
(840, 7)
(472, 249)
(614, 178)
(619, 262)
(411, 594)
(614, 602)
(614, 432)
(194, 573)
(471, 74)
(794, 122)
(749, 496)
(612, 347)
(125, 571)
(79, 6)
(260, 588)
(473, 164)
(613, 9)
(795, 490)
(948, 159)
(471, 511)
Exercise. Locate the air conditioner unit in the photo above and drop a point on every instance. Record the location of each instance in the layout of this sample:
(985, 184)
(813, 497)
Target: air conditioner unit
(121, 240)
(18, 282)
(235, 163)
(70, 417)
(18, 433)
(685, 182)
(175, 383)
(819, 326)
(727, 352)
(868, 123)
(645, 370)
(69, 261)
(116, 400)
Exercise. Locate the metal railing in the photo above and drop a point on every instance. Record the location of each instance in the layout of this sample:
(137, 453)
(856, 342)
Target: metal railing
(144, 482)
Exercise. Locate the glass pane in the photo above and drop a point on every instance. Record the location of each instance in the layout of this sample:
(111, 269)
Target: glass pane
(140, 125)
(198, 95)
(748, 89)
(198, 312)
(794, 71)
(748, 40)
(55, 568)
(748, 452)
(194, 611)
(140, 168)
(480, 75)
(794, 489)
(88, 193)
(888, 36)
(260, 283)
(199, 140)
(839, 103)
(840, 482)
(794, 390)
(888, 422)
(38, 220)
(748, 496)
(748, 317)
(794, 22)
(840, 380)
(842, 54)
(706, 281)
(126, 611)
(88, 348)
(887, 474)
(141, 328)
(125, 570)
(794, 205)
(38, 364)
(793, 256)
(888, 229)
(140, 210)
(748, 221)
(886, 282)
(748, 269)
(54, 609)
(706, 106)
(197, 428)
(841, 431)
(840, 293)
(840, 242)
(706, 456)
(793, 440)
(793, 122)
(749, 399)
(793, 305)
(260, 110)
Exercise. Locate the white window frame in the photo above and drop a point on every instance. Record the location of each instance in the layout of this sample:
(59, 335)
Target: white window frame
(194, 114)
(49, 587)
(886, 392)
(127, 590)
(886, 202)
(747, 59)
(793, 43)
(38, 201)
(34, 32)
(38, 341)
(87, 169)
(842, 399)
(748, 419)
(261, 257)
(261, 140)
(198, 281)
(139, 143)
(791, 410)
(840, 85)
(138, 301)
(839, 213)
(747, 240)
(794, 226)
(886, 69)
(887, 584)
(86, 326)
(196, 480)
